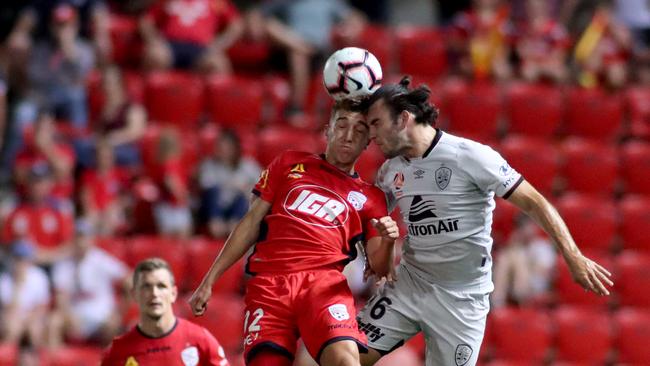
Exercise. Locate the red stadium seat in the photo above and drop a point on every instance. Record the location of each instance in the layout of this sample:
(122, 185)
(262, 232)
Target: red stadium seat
(633, 329)
(473, 109)
(534, 110)
(125, 43)
(274, 141)
(174, 97)
(633, 279)
(72, 356)
(594, 113)
(507, 363)
(503, 221)
(249, 56)
(582, 159)
(592, 221)
(638, 102)
(421, 51)
(521, 335)
(534, 158)
(224, 318)
(369, 163)
(114, 246)
(635, 211)
(173, 251)
(200, 255)
(235, 102)
(635, 166)
(277, 91)
(583, 335)
(8, 354)
(570, 293)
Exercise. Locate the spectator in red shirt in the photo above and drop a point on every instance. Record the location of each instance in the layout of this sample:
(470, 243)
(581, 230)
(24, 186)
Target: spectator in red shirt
(542, 45)
(39, 221)
(176, 341)
(190, 33)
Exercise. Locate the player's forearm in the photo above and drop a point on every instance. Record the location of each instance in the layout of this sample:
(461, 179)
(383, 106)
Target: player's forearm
(380, 255)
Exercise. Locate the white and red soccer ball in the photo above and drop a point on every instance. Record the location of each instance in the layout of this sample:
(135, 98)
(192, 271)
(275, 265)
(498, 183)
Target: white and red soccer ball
(351, 73)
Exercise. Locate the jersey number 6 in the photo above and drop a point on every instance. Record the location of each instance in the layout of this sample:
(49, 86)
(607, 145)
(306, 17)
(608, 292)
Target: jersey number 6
(379, 309)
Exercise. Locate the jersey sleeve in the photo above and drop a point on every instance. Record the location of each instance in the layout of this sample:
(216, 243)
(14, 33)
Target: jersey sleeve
(108, 357)
(267, 184)
(213, 350)
(488, 169)
(382, 183)
(375, 208)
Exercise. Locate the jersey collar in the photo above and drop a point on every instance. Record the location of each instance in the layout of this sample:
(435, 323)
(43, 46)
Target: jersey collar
(434, 142)
(354, 175)
(142, 333)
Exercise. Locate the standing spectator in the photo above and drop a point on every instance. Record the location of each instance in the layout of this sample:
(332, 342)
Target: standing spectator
(38, 220)
(100, 192)
(542, 45)
(25, 297)
(86, 307)
(57, 71)
(225, 180)
(190, 34)
(121, 123)
(523, 269)
(172, 211)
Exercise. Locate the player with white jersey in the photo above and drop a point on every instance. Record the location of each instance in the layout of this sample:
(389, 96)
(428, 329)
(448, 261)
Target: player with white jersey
(444, 186)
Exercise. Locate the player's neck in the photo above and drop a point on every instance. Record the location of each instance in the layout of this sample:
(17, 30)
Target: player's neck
(346, 168)
(159, 327)
(421, 137)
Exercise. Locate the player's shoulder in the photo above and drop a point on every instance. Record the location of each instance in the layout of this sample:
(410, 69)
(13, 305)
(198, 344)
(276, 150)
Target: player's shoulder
(464, 147)
(295, 157)
(122, 342)
(190, 328)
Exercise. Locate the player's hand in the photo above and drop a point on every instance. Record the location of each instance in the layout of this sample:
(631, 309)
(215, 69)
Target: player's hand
(589, 275)
(387, 227)
(199, 300)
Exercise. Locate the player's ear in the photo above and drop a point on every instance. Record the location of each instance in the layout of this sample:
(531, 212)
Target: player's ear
(403, 119)
(174, 293)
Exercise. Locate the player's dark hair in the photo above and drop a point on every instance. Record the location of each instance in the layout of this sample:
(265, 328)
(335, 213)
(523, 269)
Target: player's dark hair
(398, 98)
(150, 265)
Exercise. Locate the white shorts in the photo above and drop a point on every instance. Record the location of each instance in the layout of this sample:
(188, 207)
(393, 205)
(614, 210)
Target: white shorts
(452, 320)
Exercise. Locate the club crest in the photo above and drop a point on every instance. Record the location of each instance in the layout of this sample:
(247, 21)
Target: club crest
(190, 356)
(463, 354)
(443, 176)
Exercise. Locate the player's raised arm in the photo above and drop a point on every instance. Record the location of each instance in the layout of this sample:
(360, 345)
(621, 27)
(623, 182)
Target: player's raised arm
(239, 241)
(589, 274)
(380, 249)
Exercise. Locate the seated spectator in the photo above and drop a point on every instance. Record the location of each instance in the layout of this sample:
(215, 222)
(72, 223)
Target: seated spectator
(187, 34)
(100, 193)
(172, 211)
(602, 50)
(542, 45)
(121, 124)
(57, 71)
(25, 297)
(226, 180)
(39, 219)
(86, 308)
(523, 269)
(481, 40)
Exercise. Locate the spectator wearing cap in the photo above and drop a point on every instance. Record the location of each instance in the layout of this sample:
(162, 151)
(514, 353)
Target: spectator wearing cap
(24, 295)
(86, 306)
(38, 220)
(57, 71)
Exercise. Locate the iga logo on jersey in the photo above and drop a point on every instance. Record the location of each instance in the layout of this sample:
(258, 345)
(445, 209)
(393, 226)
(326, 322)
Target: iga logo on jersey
(318, 206)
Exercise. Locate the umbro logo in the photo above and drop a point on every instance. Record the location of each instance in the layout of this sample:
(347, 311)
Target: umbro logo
(421, 209)
(419, 173)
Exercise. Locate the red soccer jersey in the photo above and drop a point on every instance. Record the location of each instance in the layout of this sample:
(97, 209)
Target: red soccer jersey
(318, 212)
(186, 344)
(44, 225)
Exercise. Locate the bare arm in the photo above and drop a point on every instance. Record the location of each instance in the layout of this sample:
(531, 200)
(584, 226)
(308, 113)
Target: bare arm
(380, 249)
(589, 274)
(238, 243)
(136, 120)
(230, 35)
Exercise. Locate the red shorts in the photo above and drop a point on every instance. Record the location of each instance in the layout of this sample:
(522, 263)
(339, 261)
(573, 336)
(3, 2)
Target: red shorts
(315, 305)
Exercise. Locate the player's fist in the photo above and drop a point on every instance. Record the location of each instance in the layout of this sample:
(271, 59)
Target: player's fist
(199, 300)
(387, 227)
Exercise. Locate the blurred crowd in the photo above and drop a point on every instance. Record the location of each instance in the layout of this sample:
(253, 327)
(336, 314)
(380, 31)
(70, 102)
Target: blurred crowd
(83, 159)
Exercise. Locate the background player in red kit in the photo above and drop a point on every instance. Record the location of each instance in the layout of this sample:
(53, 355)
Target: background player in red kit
(310, 212)
(160, 338)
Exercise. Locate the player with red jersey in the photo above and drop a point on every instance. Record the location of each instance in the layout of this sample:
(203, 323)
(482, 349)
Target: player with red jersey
(310, 212)
(160, 338)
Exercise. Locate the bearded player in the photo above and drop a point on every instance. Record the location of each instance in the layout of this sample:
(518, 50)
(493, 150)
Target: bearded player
(310, 212)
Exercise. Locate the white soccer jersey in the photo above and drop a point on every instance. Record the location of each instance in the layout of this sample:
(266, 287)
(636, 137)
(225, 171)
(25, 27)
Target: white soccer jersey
(446, 199)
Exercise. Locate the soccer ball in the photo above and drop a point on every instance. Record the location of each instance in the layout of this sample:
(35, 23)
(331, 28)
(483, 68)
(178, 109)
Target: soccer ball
(351, 73)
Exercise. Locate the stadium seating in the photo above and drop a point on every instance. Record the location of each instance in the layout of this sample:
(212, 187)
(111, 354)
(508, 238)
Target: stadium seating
(503, 221)
(589, 166)
(71, 356)
(275, 140)
(125, 43)
(635, 163)
(591, 220)
(534, 110)
(200, 255)
(570, 293)
(633, 329)
(534, 158)
(521, 335)
(375, 38)
(638, 103)
(277, 92)
(173, 251)
(633, 279)
(369, 163)
(473, 110)
(421, 51)
(582, 335)
(594, 113)
(133, 83)
(635, 214)
(174, 98)
(234, 102)
(113, 245)
(224, 318)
